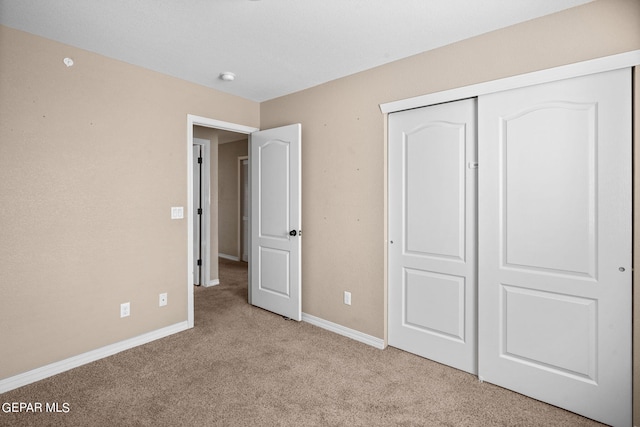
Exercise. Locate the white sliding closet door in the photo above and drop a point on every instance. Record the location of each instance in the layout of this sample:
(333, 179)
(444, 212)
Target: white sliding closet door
(555, 243)
(432, 233)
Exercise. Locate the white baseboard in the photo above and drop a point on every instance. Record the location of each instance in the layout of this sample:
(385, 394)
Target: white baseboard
(214, 282)
(231, 257)
(344, 331)
(55, 368)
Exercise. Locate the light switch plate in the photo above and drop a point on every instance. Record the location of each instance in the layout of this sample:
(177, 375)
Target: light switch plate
(177, 212)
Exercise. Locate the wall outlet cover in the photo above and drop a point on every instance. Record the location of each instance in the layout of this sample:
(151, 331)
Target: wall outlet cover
(347, 298)
(125, 309)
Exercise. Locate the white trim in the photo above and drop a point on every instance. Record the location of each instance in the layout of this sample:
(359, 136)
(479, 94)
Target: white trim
(344, 331)
(241, 160)
(55, 368)
(192, 121)
(214, 282)
(219, 124)
(230, 257)
(599, 65)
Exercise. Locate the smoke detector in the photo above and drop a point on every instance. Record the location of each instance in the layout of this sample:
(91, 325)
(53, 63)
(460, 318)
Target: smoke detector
(227, 76)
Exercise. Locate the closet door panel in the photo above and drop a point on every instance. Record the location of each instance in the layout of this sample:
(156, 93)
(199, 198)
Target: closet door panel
(549, 201)
(555, 243)
(432, 214)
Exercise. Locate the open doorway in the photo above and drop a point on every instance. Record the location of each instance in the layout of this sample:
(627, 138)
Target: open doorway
(230, 194)
(215, 131)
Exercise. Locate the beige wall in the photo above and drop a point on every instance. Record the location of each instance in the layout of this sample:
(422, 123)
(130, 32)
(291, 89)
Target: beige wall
(92, 158)
(211, 135)
(228, 195)
(343, 144)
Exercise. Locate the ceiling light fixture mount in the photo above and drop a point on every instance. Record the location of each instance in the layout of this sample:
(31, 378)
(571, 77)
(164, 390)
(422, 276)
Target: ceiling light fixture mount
(227, 76)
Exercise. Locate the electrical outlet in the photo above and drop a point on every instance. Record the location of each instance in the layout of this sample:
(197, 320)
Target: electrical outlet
(347, 298)
(163, 300)
(125, 309)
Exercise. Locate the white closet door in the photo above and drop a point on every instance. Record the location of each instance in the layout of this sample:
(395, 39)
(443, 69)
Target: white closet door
(555, 243)
(432, 233)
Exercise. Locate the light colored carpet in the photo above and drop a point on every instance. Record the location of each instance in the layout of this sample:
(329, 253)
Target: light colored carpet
(243, 366)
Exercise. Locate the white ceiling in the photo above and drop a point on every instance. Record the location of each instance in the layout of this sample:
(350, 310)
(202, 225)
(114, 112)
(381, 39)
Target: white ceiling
(275, 47)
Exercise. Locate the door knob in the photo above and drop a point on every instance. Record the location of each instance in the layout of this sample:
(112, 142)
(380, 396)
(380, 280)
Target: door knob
(293, 233)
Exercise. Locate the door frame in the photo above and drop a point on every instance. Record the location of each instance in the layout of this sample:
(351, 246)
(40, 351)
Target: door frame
(193, 120)
(241, 160)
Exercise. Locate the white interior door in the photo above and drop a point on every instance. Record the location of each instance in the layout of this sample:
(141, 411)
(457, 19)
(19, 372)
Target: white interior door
(276, 220)
(432, 233)
(555, 243)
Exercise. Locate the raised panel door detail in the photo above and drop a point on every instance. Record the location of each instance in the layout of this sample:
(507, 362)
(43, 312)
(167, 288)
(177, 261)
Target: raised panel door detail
(274, 189)
(434, 190)
(550, 331)
(434, 303)
(548, 184)
(274, 271)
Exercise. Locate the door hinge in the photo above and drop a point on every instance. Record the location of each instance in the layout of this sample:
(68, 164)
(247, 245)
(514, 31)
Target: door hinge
(199, 211)
(199, 159)
(199, 262)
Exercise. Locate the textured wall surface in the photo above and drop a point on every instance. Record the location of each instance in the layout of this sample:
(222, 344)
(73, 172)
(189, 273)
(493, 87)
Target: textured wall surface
(92, 158)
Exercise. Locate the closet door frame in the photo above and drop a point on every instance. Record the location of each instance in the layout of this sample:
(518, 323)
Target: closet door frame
(599, 65)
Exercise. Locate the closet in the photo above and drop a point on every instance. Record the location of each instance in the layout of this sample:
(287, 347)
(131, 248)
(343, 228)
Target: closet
(509, 233)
